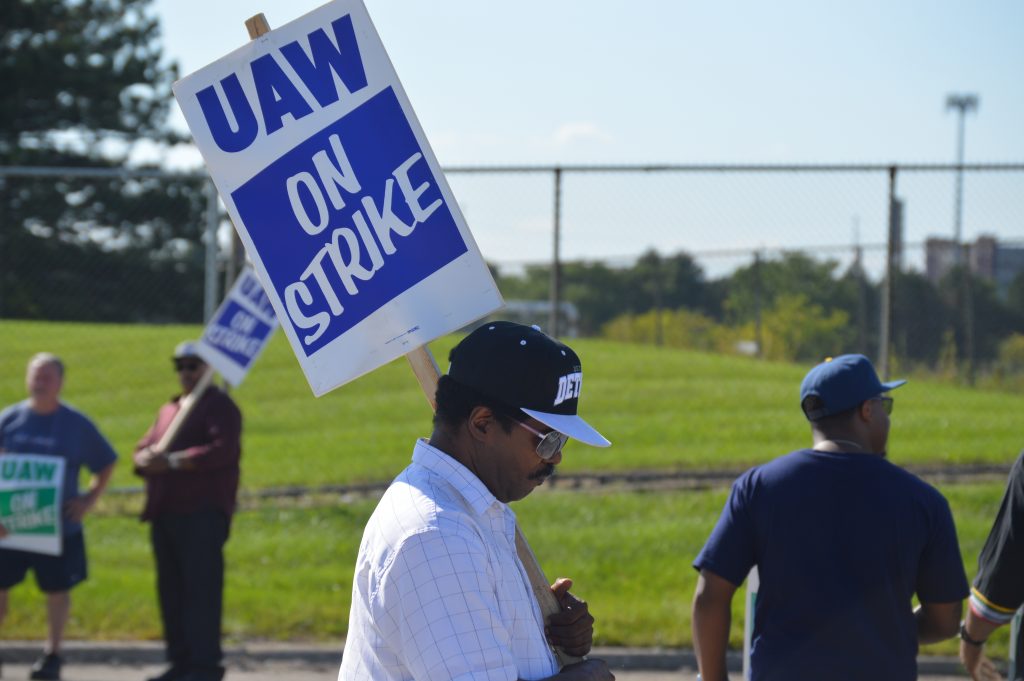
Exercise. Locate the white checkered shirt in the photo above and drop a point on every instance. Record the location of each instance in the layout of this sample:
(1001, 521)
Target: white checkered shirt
(439, 592)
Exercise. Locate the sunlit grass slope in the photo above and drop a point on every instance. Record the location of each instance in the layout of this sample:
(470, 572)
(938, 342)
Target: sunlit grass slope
(290, 570)
(662, 408)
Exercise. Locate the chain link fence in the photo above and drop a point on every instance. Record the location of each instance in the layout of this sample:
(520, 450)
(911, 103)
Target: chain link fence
(596, 243)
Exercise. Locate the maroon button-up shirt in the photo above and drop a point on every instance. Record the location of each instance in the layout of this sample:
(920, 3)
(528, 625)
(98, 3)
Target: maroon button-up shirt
(211, 438)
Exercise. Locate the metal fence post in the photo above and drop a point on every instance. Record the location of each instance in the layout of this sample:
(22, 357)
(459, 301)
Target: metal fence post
(885, 331)
(210, 298)
(758, 335)
(968, 295)
(862, 297)
(556, 258)
(4, 264)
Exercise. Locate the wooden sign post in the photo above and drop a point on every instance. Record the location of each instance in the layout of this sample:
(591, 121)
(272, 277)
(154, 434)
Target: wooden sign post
(185, 406)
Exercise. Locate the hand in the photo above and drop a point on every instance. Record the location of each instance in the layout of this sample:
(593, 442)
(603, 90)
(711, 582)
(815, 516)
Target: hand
(571, 629)
(150, 461)
(588, 670)
(978, 666)
(142, 457)
(3, 531)
(75, 509)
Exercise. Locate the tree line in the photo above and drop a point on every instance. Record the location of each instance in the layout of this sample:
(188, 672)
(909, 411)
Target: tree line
(797, 306)
(85, 86)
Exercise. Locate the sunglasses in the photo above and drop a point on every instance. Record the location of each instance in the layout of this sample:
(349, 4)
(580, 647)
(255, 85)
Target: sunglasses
(550, 443)
(886, 403)
(187, 366)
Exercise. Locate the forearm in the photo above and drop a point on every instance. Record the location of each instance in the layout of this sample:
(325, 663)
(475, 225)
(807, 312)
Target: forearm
(711, 623)
(99, 482)
(216, 454)
(712, 617)
(937, 621)
(221, 448)
(978, 628)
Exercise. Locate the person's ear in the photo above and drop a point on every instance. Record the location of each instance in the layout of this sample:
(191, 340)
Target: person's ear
(480, 422)
(864, 411)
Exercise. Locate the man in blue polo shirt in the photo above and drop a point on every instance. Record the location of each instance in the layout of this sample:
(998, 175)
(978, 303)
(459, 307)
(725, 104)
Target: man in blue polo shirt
(43, 424)
(842, 540)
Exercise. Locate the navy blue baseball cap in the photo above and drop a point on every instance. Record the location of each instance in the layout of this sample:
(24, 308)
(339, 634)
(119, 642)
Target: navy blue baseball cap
(524, 368)
(842, 383)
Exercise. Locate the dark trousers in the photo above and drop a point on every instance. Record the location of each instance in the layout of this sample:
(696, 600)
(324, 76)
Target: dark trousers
(189, 552)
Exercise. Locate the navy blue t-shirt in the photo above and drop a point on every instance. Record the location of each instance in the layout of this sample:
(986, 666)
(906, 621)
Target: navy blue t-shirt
(67, 433)
(842, 542)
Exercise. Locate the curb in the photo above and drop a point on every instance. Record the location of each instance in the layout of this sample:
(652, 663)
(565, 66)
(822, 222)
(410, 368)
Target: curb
(140, 653)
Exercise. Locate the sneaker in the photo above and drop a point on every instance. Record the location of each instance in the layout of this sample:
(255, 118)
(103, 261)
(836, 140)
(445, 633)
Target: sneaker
(47, 668)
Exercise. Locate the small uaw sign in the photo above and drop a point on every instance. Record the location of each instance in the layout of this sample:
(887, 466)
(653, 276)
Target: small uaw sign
(31, 492)
(239, 330)
(336, 194)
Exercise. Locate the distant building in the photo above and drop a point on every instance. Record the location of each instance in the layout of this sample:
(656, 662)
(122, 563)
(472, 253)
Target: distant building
(988, 259)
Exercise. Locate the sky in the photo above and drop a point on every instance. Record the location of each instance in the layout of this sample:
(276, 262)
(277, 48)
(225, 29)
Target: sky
(592, 81)
(597, 82)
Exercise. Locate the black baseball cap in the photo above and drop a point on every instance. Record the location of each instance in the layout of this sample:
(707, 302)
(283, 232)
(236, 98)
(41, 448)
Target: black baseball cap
(526, 369)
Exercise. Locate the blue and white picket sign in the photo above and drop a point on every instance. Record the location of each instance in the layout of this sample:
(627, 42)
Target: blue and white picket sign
(336, 194)
(239, 330)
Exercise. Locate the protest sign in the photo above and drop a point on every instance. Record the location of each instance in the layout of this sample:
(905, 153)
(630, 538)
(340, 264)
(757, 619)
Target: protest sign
(336, 194)
(239, 330)
(31, 491)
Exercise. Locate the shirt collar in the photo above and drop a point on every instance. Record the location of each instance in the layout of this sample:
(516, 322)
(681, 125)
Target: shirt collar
(461, 478)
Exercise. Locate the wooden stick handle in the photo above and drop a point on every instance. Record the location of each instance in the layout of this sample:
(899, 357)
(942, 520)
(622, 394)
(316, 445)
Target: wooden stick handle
(185, 406)
(541, 590)
(428, 373)
(257, 26)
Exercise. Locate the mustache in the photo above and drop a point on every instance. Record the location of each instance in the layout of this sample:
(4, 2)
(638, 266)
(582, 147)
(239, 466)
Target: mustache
(547, 471)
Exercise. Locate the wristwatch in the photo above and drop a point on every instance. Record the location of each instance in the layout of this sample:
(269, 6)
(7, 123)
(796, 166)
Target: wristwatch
(966, 638)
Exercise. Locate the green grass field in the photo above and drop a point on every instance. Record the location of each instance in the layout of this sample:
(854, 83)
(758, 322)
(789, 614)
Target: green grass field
(662, 408)
(290, 569)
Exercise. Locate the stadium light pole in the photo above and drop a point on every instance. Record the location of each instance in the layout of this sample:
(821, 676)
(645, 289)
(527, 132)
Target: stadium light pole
(963, 103)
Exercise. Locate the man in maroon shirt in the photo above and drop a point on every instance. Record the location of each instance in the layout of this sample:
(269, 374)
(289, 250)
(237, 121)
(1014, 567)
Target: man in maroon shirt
(191, 487)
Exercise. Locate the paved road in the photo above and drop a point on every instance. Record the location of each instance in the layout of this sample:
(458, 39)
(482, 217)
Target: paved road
(277, 671)
(260, 661)
(274, 671)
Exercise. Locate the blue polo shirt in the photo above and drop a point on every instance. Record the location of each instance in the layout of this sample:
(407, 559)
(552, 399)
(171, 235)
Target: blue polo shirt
(67, 433)
(842, 543)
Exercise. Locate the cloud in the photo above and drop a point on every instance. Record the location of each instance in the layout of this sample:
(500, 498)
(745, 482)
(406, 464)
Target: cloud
(580, 131)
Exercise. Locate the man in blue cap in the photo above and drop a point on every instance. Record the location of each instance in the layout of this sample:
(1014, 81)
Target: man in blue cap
(842, 540)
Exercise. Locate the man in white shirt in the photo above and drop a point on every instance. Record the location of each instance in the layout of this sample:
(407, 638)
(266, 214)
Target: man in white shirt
(439, 591)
